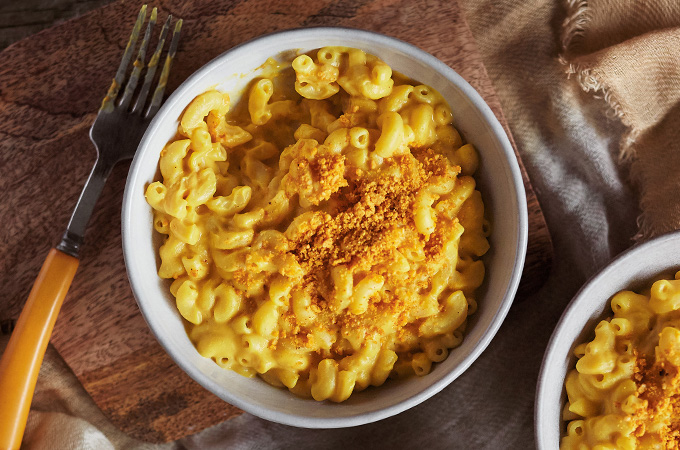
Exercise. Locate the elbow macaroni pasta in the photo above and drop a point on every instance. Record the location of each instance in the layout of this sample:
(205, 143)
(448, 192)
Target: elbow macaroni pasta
(624, 392)
(326, 234)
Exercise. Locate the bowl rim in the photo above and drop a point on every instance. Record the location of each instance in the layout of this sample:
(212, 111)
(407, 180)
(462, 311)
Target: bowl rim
(488, 334)
(571, 313)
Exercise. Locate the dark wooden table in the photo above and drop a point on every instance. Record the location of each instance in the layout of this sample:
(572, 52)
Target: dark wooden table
(22, 18)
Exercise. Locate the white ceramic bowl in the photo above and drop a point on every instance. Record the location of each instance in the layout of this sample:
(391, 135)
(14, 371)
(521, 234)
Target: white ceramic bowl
(632, 270)
(499, 179)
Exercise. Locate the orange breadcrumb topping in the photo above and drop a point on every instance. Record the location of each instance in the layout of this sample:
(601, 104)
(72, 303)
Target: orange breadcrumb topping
(373, 220)
(658, 385)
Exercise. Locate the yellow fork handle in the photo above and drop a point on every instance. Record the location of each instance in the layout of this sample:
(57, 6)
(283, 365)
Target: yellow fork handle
(23, 356)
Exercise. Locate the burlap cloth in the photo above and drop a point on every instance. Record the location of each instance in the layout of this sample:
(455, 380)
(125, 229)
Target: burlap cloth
(626, 52)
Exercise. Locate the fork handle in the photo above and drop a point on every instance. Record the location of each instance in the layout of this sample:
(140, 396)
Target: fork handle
(23, 356)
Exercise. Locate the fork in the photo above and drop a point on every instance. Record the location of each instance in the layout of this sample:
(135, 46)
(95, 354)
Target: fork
(115, 133)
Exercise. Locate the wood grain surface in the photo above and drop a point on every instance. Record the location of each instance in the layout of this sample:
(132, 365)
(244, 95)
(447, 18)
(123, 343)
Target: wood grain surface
(50, 88)
(22, 18)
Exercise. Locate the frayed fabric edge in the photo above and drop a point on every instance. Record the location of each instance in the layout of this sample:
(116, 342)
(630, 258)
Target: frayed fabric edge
(648, 230)
(574, 25)
(589, 82)
(644, 230)
(573, 28)
(627, 154)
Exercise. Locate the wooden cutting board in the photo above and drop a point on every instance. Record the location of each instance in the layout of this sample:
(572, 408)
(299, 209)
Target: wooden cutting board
(51, 85)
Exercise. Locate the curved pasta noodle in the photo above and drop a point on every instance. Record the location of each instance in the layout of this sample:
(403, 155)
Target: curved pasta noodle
(200, 107)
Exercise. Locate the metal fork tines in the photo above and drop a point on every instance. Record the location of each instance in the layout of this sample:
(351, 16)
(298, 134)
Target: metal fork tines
(118, 128)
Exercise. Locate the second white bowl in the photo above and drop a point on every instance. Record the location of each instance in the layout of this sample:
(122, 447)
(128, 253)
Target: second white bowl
(632, 270)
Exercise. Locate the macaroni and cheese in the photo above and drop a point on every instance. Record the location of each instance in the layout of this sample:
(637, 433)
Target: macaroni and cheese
(625, 390)
(326, 234)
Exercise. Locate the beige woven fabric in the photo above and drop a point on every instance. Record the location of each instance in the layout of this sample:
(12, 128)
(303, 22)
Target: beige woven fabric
(628, 52)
